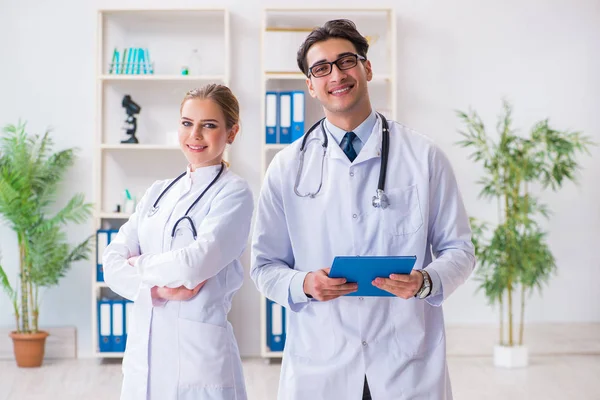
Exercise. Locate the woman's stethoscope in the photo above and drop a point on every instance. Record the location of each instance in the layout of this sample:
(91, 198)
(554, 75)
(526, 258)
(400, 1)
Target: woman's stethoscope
(380, 200)
(154, 208)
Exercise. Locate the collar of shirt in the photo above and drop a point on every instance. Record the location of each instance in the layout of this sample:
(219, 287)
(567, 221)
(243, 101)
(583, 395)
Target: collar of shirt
(362, 131)
(200, 176)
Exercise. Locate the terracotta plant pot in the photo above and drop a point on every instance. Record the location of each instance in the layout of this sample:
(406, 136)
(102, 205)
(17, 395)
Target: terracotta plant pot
(29, 348)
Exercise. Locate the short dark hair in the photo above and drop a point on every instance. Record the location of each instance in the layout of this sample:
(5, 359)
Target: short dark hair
(337, 28)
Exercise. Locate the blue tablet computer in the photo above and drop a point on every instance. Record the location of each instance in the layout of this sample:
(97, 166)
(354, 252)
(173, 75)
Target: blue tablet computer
(364, 269)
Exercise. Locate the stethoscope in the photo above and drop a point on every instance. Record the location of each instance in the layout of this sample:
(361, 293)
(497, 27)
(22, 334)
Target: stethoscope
(380, 200)
(154, 208)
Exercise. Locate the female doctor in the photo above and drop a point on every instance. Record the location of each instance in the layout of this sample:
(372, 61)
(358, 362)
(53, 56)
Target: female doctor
(359, 185)
(177, 258)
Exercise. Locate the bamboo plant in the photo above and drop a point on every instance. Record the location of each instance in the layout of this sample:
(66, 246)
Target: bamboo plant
(30, 174)
(514, 256)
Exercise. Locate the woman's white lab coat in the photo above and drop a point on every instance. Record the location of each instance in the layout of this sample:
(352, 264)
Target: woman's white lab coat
(183, 349)
(398, 344)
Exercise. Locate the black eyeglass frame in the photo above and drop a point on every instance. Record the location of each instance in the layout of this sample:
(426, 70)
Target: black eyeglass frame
(357, 57)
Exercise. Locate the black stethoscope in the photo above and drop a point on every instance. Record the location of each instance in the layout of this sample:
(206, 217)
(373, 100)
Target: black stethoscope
(380, 200)
(154, 208)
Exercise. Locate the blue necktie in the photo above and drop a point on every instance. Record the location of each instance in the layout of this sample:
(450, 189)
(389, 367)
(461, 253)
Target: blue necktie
(347, 147)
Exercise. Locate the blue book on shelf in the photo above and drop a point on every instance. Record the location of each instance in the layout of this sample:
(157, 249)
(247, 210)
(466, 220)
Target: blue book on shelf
(285, 117)
(297, 114)
(103, 238)
(271, 114)
(127, 317)
(123, 62)
(118, 325)
(105, 325)
(142, 62)
(148, 62)
(276, 326)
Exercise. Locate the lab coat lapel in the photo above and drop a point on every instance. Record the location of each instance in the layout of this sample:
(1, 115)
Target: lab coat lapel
(371, 149)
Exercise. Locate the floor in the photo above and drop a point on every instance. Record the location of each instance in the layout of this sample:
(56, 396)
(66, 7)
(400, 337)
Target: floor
(549, 377)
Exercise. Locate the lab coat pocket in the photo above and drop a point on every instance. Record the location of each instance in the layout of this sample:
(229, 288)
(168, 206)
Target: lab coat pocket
(418, 329)
(205, 356)
(312, 337)
(403, 216)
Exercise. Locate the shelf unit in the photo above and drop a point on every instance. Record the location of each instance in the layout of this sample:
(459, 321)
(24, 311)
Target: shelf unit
(171, 36)
(282, 32)
(168, 78)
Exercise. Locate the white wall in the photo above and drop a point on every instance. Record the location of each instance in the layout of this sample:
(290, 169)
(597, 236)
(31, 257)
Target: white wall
(542, 55)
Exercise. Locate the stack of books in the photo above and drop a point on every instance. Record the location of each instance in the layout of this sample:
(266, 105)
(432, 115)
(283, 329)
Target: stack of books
(133, 61)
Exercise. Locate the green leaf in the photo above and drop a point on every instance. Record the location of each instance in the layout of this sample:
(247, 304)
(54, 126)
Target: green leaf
(30, 174)
(515, 251)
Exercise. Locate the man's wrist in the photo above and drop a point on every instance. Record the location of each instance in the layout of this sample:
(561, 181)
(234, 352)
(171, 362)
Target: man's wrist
(306, 285)
(425, 289)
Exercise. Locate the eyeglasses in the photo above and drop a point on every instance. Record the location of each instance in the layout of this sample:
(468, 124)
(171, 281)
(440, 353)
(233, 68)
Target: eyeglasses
(345, 62)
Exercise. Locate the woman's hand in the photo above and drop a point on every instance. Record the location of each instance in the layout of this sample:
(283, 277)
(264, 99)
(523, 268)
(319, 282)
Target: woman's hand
(179, 294)
(132, 260)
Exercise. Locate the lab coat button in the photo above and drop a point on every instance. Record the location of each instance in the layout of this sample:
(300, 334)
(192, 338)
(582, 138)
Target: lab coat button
(354, 216)
(364, 343)
(351, 173)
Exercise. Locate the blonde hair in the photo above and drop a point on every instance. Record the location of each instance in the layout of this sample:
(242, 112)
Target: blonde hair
(221, 95)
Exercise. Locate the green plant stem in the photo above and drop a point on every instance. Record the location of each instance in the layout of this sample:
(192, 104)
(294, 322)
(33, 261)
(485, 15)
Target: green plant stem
(32, 308)
(509, 265)
(510, 315)
(501, 320)
(24, 281)
(522, 324)
(36, 310)
(522, 318)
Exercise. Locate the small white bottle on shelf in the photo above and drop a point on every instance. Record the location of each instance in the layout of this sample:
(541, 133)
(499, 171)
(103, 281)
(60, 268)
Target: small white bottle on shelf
(194, 62)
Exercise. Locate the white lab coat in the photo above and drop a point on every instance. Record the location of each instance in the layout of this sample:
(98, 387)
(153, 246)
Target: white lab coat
(183, 350)
(398, 344)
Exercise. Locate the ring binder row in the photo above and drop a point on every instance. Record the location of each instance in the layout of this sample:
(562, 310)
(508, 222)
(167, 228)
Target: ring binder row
(113, 324)
(103, 238)
(133, 61)
(284, 116)
(276, 326)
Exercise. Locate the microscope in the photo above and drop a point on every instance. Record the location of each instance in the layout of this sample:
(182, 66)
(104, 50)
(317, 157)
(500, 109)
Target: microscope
(132, 108)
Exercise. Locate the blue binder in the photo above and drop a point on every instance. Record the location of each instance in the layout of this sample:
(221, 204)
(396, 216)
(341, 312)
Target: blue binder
(297, 114)
(103, 238)
(118, 325)
(127, 318)
(271, 117)
(105, 325)
(285, 117)
(276, 326)
(364, 269)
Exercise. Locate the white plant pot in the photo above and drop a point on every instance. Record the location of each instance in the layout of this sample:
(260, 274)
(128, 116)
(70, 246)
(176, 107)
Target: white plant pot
(510, 357)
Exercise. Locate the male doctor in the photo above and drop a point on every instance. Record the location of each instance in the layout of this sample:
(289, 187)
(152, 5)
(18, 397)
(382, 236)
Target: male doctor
(311, 210)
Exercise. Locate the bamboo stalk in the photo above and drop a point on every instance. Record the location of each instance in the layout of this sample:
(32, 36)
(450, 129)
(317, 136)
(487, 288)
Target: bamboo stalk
(24, 299)
(510, 315)
(522, 324)
(32, 308)
(17, 320)
(36, 310)
(510, 267)
(501, 320)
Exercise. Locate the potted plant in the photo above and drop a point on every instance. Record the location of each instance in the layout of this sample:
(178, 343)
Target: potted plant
(29, 176)
(514, 256)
